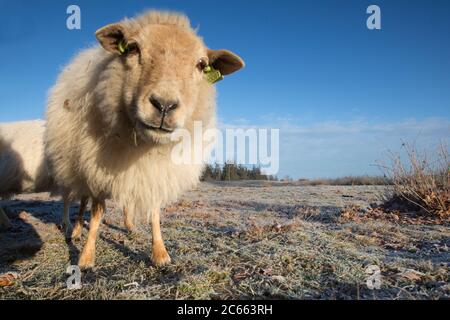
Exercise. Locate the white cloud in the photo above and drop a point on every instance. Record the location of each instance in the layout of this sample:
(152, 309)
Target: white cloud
(329, 149)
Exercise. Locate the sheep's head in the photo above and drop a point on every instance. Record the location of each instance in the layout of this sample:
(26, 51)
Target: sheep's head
(164, 66)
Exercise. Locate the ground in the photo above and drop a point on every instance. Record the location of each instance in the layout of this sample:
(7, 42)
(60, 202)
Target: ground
(246, 240)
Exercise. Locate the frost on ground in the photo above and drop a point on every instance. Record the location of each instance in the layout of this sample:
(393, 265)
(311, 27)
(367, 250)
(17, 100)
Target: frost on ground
(243, 240)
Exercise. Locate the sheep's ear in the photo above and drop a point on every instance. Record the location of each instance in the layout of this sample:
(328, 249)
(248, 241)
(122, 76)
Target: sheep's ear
(225, 61)
(113, 38)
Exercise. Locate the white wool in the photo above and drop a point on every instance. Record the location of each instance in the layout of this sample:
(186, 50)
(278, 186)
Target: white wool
(22, 165)
(90, 159)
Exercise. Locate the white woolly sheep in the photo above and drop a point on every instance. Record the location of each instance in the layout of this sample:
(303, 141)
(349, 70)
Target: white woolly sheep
(22, 165)
(114, 109)
(24, 169)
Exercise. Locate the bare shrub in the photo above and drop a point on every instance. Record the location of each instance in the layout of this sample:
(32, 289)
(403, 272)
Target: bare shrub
(420, 181)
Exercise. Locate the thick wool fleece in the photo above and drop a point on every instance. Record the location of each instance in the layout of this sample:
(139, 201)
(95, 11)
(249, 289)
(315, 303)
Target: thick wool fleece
(22, 165)
(91, 143)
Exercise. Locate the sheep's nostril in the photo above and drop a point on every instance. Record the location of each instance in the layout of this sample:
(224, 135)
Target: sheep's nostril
(172, 106)
(163, 105)
(155, 102)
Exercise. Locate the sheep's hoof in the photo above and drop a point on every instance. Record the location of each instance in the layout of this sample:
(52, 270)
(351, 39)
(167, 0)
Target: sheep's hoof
(130, 227)
(88, 267)
(160, 257)
(86, 262)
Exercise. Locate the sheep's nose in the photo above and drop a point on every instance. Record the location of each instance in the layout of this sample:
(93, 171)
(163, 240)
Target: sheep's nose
(163, 105)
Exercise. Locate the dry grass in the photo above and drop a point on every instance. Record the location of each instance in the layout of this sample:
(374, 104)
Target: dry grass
(233, 241)
(421, 182)
(347, 181)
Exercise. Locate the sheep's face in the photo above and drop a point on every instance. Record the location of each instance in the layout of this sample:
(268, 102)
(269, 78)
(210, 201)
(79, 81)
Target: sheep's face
(164, 74)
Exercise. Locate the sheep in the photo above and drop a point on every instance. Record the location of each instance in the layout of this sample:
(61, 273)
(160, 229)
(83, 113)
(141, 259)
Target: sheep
(113, 113)
(24, 169)
(22, 165)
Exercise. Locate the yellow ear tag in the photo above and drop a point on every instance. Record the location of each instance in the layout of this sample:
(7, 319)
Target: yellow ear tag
(212, 75)
(122, 46)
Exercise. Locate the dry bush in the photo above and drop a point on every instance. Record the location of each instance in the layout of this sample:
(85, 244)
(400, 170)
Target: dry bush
(421, 182)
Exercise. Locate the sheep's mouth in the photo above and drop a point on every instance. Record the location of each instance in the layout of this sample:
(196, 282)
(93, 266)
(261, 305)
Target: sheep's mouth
(155, 128)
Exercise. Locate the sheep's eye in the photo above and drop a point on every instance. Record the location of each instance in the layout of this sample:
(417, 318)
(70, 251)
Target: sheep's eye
(201, 64)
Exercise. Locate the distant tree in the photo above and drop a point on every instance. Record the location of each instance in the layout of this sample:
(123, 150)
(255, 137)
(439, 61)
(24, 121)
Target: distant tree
(232, 172)
(252, 173)
(242, 172)
(208, 174)
(217, 172)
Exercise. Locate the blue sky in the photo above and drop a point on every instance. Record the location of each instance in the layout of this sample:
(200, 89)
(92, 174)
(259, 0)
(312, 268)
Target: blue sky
(340, 93)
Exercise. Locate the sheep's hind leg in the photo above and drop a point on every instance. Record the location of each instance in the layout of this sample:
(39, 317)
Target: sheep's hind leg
(87, 258)
(160, 256)
(67, 226)
(78, 228)
(127, 220)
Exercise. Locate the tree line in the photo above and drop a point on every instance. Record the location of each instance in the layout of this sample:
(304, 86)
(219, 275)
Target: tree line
(233, 172)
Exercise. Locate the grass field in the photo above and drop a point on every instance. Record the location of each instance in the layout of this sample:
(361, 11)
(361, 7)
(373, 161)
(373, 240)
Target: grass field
(257, 240)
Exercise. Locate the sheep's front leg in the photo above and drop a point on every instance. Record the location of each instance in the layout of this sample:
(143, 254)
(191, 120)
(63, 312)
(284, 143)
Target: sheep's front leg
(160, 256)
(78, 228)
(66, 218)
(87, 258)
(127, 219)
